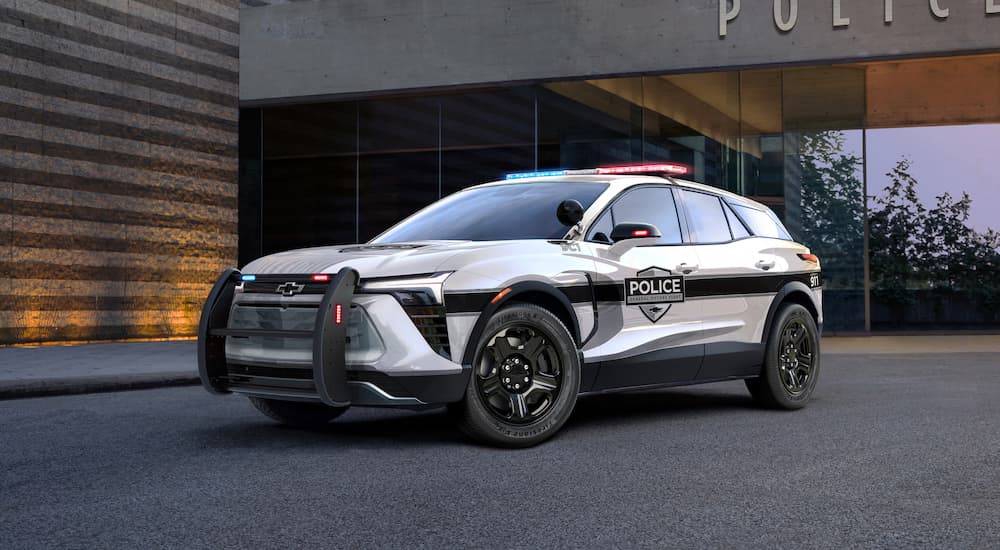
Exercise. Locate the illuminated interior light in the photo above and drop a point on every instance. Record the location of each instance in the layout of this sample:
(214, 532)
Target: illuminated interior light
(338, 314)
(321, 277)
(248, 277)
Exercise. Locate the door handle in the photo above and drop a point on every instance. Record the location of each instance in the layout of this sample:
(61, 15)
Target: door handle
(764, 264)
(686, 268)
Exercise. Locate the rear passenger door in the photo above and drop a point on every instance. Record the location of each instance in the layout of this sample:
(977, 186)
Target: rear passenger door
(728, 285)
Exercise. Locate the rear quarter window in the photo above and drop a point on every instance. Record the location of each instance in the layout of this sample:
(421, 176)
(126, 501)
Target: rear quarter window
(763, 223)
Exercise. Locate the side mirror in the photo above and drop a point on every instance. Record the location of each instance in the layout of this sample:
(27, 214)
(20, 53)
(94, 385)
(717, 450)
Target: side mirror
(627, 236)
(569, 212)
(624, 231)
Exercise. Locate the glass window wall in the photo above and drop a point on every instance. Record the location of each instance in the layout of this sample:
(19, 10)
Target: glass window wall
(793, 139)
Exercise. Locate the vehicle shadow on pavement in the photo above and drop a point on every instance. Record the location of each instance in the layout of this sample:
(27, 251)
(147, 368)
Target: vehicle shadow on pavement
(653, 406)
(363, 427)
(391, 428)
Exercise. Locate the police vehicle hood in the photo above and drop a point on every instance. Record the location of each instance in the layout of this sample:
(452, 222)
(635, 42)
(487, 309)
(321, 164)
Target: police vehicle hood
(392, 260)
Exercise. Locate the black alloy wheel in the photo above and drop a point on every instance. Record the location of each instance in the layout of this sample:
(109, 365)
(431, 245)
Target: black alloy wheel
(791, 360)
(796, 357)
(518, 377)
(525, 378)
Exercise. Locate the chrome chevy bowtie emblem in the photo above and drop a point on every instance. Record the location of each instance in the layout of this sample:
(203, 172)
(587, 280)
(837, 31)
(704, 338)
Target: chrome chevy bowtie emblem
(289, 289)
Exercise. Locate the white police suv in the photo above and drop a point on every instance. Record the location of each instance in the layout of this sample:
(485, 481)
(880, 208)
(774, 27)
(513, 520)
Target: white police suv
(508, 300)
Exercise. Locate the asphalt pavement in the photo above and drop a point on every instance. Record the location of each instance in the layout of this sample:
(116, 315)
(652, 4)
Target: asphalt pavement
(894, 451)
(95, 367)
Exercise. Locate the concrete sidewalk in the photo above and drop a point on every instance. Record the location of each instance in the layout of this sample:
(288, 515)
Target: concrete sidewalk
(87, 368)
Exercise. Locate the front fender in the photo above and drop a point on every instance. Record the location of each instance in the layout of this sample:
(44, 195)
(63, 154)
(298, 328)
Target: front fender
(521, 291)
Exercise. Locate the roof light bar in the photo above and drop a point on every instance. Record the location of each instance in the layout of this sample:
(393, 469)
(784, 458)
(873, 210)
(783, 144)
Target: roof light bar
(671, 168)
(540, 174)
(664, 167)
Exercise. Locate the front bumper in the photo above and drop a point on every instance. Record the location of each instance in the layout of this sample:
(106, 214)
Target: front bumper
(312, 359)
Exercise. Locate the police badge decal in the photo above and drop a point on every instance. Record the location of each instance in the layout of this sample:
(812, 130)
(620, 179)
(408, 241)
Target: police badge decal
(654, 290)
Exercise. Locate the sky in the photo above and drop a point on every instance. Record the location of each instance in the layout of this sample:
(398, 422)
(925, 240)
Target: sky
(943, 158)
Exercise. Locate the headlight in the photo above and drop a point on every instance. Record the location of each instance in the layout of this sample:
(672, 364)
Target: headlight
(421, 290)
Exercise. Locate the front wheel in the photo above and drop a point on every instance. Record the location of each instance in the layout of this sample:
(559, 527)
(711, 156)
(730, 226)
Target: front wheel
(791, 363)
(297, 413)
(525, 379)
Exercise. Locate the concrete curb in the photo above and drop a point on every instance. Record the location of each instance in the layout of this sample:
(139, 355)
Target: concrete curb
(43, 387)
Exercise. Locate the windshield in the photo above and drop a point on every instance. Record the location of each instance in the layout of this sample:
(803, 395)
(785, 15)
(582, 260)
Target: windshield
(495, 213)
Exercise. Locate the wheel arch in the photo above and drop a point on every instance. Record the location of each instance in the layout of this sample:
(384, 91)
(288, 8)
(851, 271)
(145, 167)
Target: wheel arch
(793, 292)
(539, 293)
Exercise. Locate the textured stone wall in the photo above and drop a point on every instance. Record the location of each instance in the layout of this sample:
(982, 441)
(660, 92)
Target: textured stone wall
(118, 165)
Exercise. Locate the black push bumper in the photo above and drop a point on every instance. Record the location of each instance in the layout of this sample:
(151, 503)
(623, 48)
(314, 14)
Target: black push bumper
(329, 336)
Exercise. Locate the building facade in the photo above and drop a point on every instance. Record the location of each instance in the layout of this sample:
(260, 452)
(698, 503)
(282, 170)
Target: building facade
(118, 165)
(126, 184)
(375, 109)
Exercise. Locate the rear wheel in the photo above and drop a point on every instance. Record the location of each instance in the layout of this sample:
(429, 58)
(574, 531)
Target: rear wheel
(525, 379)
(791, 364)
(297, 413)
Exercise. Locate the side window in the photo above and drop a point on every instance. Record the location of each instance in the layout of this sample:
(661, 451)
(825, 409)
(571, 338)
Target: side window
(735, 225)
(764, 224)
(600, 232)
(654, 205)
(706, 218)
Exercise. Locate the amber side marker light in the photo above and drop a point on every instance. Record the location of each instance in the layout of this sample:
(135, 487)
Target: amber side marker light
(811, 258)
(500, 295)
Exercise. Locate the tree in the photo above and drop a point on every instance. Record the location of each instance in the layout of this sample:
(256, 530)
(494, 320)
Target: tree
(833, 206)
(896, 224)
(914, 248)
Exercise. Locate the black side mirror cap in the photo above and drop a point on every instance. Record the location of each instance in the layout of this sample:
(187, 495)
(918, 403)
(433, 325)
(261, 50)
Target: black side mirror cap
(569, 212)
(629, 230)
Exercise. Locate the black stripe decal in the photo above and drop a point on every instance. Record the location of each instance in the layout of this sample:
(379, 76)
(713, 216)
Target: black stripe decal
(115, 130)
(89, 38)
(141, 24)
(20, 144)
(113, 72)
(114, 101)
(748, 284)
(476, 302)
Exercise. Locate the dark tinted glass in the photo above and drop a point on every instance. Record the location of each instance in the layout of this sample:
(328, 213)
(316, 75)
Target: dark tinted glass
(654, 205)
(763, 223)
(398, 162)
(735, 225)
(496, 213)
(706, 218)
(601, 229)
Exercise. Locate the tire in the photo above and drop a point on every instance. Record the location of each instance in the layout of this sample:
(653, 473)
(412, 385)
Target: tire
(297, 413)
(491, 411)
(782, 385)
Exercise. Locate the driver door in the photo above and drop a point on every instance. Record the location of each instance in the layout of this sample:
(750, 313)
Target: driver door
(648, 331)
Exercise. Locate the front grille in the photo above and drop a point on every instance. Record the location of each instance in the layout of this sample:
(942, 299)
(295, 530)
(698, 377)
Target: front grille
(432, 324)
(272, 287)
